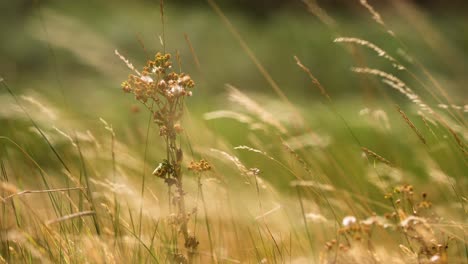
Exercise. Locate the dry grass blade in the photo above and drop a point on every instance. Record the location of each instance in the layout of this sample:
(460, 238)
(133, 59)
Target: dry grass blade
(397, 84)
(274, 209)
(376, 156)
(127, 62)
(40, 191)
(192, 51)
(255, 108)
(376, 16)
(228, 114)
(413, 127)
(460, 143)
(380, 52)
(314, 184)
(70, 216)
(320, 13)
(314, 80)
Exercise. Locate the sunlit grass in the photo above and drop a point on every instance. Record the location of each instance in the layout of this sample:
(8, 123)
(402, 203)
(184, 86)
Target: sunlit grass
(377, 175)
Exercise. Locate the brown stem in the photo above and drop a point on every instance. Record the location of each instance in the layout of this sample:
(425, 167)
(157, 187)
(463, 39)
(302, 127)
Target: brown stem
(189, 242)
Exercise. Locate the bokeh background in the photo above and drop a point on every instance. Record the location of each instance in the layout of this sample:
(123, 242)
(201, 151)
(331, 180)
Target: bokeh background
(58, 58)
(73, 43)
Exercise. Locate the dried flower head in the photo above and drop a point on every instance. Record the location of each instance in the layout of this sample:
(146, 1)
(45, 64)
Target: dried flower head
(157, 83)
(162, 91)
(349, 220)
(199, 166)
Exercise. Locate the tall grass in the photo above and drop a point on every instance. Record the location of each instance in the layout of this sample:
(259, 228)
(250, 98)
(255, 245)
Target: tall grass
(260, 179)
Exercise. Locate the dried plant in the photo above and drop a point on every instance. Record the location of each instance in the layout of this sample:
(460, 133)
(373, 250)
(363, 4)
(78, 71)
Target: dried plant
(162, 91)
(250, 209)
(411, 218)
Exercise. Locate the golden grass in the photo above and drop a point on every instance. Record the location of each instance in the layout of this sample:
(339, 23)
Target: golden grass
(290, 192)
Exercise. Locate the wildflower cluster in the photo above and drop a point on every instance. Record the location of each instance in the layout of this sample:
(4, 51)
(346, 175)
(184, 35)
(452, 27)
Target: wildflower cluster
(162, 91)
(407, 203)
(354, 241)
(411, 218)
(353, 230)
(157, 81)
(418, 224)
(199, 166)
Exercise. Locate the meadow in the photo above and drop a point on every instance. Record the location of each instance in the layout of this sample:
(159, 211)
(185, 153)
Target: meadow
(170, 133)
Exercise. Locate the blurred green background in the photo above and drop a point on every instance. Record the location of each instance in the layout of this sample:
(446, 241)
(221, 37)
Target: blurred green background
(58, 58)
(52, 46)
(45, 42)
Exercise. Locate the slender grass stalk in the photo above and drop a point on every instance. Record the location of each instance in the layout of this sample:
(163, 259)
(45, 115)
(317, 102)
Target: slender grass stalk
(89, 192)
(207, 225)
(309, 236)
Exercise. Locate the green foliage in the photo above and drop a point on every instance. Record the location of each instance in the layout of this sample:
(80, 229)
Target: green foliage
(347, 167)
